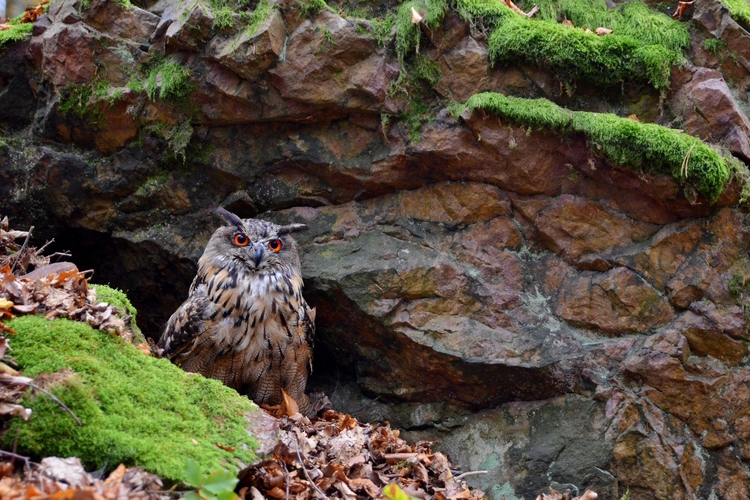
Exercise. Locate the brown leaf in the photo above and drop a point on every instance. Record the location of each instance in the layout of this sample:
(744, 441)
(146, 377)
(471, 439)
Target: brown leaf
(366, 485)
(116, 476)
(603, 31)
(289, 405)
(415, 17)
(568, 22)
(681, 8)
(225, 447)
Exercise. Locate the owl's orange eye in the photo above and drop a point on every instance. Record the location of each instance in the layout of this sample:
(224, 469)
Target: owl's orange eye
(275, 245)
(240, 239)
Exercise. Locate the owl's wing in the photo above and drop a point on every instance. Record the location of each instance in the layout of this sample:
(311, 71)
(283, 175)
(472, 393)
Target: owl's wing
(186, 324)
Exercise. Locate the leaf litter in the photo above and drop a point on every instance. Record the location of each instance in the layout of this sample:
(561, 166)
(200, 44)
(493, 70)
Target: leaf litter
(334, 456)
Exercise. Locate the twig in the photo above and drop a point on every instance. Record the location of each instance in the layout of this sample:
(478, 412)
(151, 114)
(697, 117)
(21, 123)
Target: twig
(684, 168)
(20, 252)
(469, 473)
(60, 254)
(364, 405)
(286, 475)
(534, 11)
(21, 381)
(302, 464)
(14, 456)
(41, 249)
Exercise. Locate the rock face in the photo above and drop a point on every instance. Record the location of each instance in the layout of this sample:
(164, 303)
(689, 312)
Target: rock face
(549, 317)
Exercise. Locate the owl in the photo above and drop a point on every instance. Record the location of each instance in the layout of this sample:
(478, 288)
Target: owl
(245, 321)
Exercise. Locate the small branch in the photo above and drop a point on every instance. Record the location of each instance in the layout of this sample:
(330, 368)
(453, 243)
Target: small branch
(469, 473)
(60, 254)
(41, 249)
(302, 464)
(14, 456)
(25, 381)
(286, 474)
(534, 11)
(20, 252)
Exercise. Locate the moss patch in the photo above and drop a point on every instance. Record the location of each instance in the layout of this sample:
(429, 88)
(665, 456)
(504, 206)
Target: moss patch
(117, 298)
(168, 80)
(637, 146)
(135, 409)
(259, 15)
(740, 11)
(644, 47)
(17, 33)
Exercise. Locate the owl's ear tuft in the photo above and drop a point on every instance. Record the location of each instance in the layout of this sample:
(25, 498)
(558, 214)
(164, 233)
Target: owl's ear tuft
(292, 228)
(230, 217)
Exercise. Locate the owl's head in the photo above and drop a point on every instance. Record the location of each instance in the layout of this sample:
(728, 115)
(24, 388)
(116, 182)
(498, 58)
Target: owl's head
(254, 244)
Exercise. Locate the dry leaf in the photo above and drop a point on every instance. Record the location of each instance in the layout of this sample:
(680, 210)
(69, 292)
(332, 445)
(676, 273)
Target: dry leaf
(603, 31)
(681, 8)
(633, 117)
(568, 22)
(225, 447)
(415, 17)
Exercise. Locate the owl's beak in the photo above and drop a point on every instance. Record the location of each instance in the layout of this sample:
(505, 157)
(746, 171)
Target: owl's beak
(258, 255)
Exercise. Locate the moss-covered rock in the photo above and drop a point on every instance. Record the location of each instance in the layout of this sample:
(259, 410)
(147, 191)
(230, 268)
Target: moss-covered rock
(135, 409)
(643, 147)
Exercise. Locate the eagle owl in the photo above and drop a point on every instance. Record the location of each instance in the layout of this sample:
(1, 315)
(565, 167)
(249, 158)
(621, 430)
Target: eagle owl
(245, 321)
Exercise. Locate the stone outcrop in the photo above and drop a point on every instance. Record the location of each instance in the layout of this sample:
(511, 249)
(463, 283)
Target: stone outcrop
(548, 316)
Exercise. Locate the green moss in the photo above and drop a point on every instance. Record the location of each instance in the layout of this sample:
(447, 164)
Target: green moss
(18, 32)
(135, 409)
(715, 45)
(259, 15)
(178, 139)
(118, 299)
(637, 146)
(740, 11)
(577, 55)
(407, 33)
(644, 47)
(168, 80)
(382, 29)
(311, 8)
(75, 100)
(223, 18)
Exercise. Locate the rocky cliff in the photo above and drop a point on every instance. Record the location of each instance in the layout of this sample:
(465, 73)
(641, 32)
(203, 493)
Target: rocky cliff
(556, 294)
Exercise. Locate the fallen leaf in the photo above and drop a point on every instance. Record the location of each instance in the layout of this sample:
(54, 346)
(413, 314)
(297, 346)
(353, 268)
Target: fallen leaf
(568, 22)
(415, 17)
(290, 405)
(681, 8)
(603, 31)
(633, 117)
(225, 447)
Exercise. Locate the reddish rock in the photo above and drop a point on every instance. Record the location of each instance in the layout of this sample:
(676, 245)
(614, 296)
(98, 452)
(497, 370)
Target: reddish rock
(616, 302)
(334, 65)
(130, 23)
(465, 70)
(705, 339)
(247, 54)
(573, 227)
(66, 53)
(703, 98)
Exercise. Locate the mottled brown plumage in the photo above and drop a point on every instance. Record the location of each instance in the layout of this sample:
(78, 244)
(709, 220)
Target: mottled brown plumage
(245, 321)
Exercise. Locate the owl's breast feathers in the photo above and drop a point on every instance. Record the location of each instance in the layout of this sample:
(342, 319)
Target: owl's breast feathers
(252, 331)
